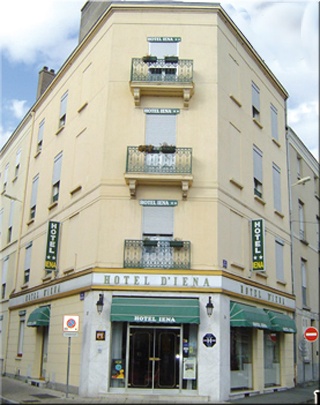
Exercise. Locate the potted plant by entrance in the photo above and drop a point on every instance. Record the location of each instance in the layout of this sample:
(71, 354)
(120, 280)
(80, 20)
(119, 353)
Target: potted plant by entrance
(149, 59)
(171, 59)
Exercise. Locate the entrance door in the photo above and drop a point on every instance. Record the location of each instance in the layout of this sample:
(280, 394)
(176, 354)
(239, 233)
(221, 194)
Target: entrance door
(154, 358)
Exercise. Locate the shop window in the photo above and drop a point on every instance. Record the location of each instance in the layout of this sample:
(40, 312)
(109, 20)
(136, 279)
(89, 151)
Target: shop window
(241, 358)
(118, 355)
(271, 359)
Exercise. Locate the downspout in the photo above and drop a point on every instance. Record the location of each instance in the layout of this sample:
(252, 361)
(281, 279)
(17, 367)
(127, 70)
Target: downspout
(291, 246)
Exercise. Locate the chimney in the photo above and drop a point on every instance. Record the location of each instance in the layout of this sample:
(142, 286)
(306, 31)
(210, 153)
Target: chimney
(45, 78)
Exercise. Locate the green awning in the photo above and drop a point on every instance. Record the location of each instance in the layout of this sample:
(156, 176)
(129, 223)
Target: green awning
(281, 322)
(155, 310)
(242, 315)
(39, 317)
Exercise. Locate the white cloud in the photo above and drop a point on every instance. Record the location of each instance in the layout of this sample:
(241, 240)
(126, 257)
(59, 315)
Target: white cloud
(18, 108)
(36, 29)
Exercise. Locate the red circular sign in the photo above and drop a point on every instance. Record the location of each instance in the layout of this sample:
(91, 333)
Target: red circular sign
(311, 334)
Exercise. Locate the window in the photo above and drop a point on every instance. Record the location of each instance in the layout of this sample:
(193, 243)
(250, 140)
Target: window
(10, 224)
(17, 166)
(161, 48)
(63, 110)
(304, 281)
(34, 193)
(27, 263)
(299, 167)
(255, 102)
(22, 322)
(274, 122)
(257, 171)
(5, 265)
(276, 172)
(40, 136)
(302, 234)
(279, 259)
(160, 129)
(56, 177)
(5, 177)
(241, 358)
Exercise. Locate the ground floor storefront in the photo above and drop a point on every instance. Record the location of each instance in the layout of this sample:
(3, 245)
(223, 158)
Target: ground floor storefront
(210, 336)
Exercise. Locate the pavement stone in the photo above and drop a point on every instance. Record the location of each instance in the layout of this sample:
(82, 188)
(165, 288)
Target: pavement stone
(17, 391)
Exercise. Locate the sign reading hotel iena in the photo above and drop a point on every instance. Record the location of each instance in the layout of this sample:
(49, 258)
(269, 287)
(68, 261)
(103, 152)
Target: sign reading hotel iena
(257, 232)
(52, 245)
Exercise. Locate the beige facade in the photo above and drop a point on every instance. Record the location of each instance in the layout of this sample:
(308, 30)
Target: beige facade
(304, 180)
(224, 111)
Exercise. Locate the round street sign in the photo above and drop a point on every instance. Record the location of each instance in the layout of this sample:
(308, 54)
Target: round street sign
(209, 340)
(311, 334)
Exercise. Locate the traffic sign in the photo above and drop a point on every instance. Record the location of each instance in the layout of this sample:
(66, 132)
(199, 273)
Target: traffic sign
(209, 340)
(70, 323)
(311, 334)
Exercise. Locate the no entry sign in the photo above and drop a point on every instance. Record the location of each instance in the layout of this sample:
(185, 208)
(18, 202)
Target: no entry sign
(311, 334)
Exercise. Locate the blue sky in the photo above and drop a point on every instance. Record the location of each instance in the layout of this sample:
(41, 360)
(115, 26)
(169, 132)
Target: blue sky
(37, 33)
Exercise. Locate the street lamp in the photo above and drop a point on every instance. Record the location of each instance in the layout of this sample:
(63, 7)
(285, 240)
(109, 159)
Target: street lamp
(100, 304)
(11, 198)
(209, 307)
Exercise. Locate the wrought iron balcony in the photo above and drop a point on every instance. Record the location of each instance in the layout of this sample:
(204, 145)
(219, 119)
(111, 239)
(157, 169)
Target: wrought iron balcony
(157, 254)
(162, 77)
(157, 167)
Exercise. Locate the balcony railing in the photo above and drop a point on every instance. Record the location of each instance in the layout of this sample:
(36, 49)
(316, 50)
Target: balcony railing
(157, 254)
(162, 71)
(162, 78)
(179, 162)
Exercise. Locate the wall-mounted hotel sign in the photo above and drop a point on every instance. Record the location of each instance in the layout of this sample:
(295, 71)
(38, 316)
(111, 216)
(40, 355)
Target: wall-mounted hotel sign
(159, 203)
(166, 111)
(258, 247)
(52, 246)
(164, 39)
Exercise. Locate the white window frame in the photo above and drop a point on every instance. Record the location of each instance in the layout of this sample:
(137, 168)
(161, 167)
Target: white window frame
(22, 324)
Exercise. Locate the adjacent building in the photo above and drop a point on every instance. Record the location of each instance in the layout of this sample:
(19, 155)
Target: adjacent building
(304, 181)
(153, 228)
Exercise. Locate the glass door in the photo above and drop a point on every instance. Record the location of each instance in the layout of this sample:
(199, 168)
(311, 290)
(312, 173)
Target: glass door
(154, 358)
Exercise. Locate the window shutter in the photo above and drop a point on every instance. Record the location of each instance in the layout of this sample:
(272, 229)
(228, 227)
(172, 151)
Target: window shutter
(257, 164)
(40, 131)
(27, 260)
(5, 270)
(57, 168)
(279, 260)
(255, 97)
(158, 221)
(160, 128)
(18, 157)
(276, 187)
(11, 214)
(34, 192)
(162, 49)
(274, 122)
(63, 104)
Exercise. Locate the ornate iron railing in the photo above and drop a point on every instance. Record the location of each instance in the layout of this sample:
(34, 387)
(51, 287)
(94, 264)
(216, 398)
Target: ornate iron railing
(179, 162)
(157, 254)
(162, 71)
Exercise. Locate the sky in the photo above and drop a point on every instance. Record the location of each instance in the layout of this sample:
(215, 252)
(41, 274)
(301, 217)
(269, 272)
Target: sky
(38, 33)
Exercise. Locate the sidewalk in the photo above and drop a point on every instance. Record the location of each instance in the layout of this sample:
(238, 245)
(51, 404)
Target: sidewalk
(14, 391)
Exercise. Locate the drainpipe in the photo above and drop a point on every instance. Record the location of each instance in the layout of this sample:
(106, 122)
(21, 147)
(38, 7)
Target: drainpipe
(291, 250)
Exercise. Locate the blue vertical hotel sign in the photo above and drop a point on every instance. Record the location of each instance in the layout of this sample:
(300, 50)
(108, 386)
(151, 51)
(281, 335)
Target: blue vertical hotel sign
(258, 247)
(52, 245)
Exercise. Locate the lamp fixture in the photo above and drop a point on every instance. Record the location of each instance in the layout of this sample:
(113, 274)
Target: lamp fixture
(209, 307)
(100, 304)
(301, 181)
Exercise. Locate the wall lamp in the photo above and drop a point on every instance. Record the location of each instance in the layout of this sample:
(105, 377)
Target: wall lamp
(209, 307)
(100, 304)
(301, 181)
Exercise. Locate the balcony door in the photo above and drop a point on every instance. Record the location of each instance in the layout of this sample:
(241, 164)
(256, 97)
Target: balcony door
(158, 227)
(160, 129)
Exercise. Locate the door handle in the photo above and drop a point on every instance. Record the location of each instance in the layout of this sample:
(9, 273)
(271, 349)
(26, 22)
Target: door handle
(154, 358)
